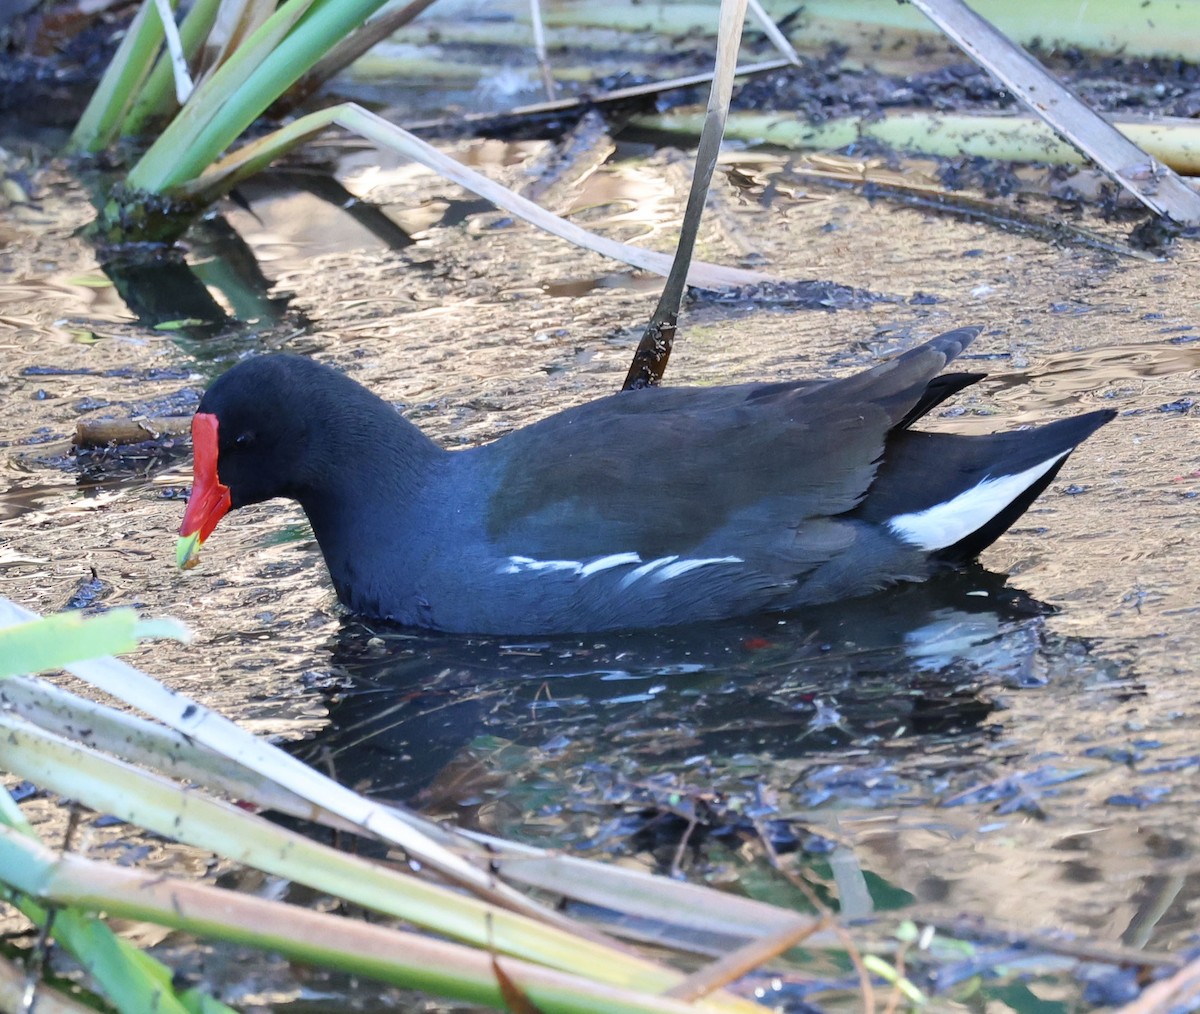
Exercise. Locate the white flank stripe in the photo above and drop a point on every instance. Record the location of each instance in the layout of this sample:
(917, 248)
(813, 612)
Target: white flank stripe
(605, 562)
(662, 569)
(683, 566)
(644, 569)
(521, 564)
(946, 523)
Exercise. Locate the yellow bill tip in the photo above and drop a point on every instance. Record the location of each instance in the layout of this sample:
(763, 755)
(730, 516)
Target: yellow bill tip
(187, 550)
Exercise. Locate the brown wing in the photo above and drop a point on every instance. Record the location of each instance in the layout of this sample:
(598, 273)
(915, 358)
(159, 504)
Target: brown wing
(661, 470)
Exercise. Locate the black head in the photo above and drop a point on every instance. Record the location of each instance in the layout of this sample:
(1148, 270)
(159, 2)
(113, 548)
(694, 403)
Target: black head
(268, 412)
(285, 426)
(255, 436)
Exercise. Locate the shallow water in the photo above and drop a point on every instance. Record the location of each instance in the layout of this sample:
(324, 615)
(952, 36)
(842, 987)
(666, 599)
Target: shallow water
(1023, 752)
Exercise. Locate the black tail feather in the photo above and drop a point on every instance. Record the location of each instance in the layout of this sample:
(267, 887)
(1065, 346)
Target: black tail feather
(938, 390)
(921, 470)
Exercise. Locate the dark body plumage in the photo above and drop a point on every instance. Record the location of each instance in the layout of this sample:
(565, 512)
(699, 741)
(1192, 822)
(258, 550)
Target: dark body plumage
(642, 509)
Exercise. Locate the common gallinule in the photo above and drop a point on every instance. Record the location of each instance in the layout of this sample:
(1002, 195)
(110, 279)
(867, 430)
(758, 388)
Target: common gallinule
(645, 508)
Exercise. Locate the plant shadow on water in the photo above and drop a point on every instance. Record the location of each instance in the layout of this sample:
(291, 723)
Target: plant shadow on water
(970, 754)
(179, 291)
(565, 734)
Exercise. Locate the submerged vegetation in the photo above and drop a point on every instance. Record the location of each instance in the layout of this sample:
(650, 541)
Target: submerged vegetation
(111, 761)
(198, 87)
(470, 919)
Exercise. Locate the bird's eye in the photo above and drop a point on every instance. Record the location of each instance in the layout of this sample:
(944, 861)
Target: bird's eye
(244, 439)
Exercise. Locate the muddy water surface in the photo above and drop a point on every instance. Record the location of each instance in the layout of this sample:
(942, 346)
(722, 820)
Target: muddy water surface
(1022, 751)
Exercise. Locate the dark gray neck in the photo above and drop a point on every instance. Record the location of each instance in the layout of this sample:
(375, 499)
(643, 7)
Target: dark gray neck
(373, 477)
